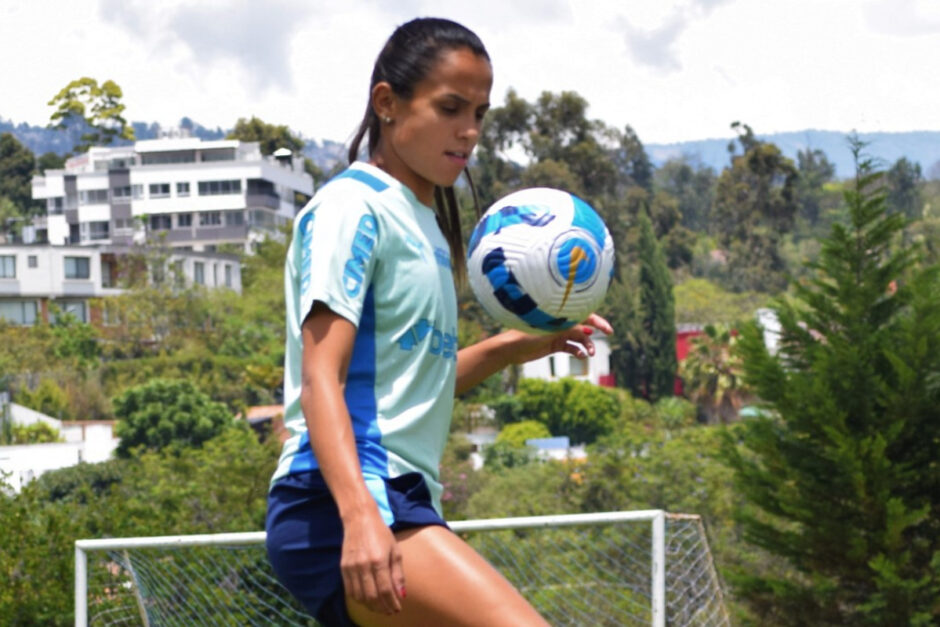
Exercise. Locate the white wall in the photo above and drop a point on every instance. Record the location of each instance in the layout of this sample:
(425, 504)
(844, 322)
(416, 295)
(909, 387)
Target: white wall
(561, 365)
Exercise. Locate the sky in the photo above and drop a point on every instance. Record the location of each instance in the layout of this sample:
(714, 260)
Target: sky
(674, 70)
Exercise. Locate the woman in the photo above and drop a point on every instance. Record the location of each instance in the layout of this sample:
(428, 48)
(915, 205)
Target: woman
(372, 364)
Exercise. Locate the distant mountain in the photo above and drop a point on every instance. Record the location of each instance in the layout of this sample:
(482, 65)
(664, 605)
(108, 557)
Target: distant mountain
(922, 147)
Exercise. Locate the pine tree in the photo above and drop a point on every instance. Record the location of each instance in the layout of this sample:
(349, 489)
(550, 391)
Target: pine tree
(841, 471)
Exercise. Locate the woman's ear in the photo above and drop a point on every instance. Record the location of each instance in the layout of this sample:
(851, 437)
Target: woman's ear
(383, 101)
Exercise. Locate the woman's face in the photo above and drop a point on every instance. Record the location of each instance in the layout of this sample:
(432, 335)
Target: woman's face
(432, 134)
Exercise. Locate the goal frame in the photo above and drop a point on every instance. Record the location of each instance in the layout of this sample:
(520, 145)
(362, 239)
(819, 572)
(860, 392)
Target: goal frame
(656, 518)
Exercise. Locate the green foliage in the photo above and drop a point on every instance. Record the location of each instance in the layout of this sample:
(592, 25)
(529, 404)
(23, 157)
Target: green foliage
(702, 301)
(47, 398)
(270, 137)
(815, 170)
(693, 186)
(903, 181)
(840, 473)
(76, 341)
(643, 358)
(17, 164)
(220, 487)
(517, 433)
(754, 207)
(167, 413)
(578, 409)
(97, 106)
(36, 433)
(712, 375)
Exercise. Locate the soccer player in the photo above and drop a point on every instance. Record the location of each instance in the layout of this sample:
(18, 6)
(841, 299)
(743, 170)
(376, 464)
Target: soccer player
(372, 363)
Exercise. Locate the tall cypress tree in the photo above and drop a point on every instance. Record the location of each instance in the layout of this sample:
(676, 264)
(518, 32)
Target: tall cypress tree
(841, 472)
(644, 357)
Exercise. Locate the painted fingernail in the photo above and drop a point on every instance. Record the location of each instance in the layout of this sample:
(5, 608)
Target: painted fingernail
(402, 592)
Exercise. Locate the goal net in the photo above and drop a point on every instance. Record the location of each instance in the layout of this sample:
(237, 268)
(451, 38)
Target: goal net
(618, 568)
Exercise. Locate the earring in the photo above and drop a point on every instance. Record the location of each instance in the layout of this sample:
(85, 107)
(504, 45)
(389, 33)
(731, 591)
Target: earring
(387, 120)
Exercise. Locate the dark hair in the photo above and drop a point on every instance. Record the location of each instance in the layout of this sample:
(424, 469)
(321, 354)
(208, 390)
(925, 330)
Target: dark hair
(406, 59)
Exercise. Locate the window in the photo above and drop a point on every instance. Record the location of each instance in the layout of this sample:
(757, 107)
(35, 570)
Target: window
(93, 197)
(222, 154)
(107, 273)
(122, 194)
(182, 189)
(159, 190)
(19, 312)
(137, 191)
(228, 275)
(54, 205)
(161, 222)
(99, 230)
(217, 188)
(234, 218)
(123, 224)
(77, 267)
(32, 261)
(199, 273)
(184, 220)
(7, 266)
(184, 156)
(210, 218)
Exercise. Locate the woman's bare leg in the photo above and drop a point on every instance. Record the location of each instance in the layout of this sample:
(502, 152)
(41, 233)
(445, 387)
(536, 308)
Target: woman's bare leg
(448, 583)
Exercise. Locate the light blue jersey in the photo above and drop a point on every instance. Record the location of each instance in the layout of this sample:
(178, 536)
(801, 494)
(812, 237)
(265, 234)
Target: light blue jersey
(371, 252)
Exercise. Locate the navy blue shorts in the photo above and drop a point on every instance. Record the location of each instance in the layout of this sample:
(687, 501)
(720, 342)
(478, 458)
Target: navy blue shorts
(305, 536)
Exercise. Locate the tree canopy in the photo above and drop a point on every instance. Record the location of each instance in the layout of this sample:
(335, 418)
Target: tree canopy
(98, 107)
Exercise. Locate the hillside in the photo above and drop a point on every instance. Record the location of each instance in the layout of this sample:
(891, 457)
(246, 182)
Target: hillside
(922, 147)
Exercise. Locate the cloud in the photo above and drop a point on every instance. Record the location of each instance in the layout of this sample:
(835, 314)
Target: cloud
(256, 36)
(656, 48)
(903, 17)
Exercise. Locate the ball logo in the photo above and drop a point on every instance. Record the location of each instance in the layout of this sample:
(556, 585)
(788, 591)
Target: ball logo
(574, 262)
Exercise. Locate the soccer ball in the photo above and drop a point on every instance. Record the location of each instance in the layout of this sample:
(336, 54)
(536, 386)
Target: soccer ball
(540, 260)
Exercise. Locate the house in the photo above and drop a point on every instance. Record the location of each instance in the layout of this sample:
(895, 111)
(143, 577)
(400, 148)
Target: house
(596, 368)
(192, 194)
(35, 276)
(87, 441)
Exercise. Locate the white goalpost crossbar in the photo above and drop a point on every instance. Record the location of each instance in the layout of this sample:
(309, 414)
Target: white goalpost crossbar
(656, 518)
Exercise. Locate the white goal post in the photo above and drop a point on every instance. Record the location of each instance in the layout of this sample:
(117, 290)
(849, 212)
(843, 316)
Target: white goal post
(595, 557)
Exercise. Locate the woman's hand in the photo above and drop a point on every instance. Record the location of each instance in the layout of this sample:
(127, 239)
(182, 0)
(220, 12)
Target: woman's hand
(574, 341)
(371, 564)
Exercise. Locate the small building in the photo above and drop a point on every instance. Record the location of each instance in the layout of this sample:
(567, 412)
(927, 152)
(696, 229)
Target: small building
(35, 276)
(596, 368)
(88, 441)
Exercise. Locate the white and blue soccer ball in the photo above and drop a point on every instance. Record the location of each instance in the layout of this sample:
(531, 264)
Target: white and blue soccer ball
(540, 260)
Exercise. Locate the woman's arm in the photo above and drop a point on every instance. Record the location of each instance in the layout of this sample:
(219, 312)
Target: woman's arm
(370, 562)
(475, 363)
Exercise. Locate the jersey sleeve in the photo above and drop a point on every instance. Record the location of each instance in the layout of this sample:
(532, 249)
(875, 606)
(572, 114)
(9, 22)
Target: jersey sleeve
(338, 246)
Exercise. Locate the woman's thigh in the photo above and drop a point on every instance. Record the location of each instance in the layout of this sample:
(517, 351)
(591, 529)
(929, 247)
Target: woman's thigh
(448, 583)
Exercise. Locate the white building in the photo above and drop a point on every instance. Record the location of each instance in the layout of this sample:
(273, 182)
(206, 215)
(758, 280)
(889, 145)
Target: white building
(194, 194)
(596, 368)
(33, 276)
(84, 441)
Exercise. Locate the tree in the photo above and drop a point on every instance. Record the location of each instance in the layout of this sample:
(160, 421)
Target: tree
(17, 164)
(755, 206)
(711, 374)
(272, 137)
(840, 469)
(167, 413)
(98, 107)
(644, 352)
(578, 409)
(693, 186)
(517, 433)
(903, 182)
(815, 170)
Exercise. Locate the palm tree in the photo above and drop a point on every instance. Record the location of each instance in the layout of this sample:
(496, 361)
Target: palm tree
(711, 374)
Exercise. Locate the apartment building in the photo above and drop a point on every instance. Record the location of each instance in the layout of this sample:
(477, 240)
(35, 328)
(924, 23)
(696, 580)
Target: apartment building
(192, 194)
(35, 276)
